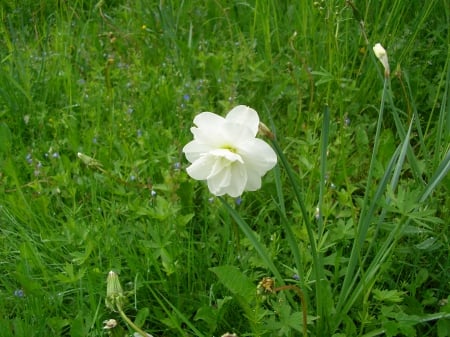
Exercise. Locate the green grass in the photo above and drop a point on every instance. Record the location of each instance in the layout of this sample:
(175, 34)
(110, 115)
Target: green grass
(121, 82)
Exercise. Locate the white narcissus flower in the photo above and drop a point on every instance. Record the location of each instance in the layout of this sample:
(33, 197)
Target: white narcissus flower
(381, 54)
(226, 153)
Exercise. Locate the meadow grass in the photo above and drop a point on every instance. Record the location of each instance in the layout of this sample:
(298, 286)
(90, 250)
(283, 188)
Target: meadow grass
(355, 215)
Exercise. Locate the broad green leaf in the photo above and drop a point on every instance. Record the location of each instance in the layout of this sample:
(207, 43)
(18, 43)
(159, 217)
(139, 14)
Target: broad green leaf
(235, 281)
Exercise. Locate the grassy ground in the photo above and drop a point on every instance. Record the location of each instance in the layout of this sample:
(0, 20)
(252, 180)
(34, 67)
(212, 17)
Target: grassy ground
(120, 81)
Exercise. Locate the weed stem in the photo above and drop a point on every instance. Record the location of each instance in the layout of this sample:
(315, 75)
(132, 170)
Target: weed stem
(300, 294)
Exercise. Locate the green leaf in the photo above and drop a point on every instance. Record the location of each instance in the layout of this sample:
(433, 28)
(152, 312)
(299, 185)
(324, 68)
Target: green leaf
(392, 296)
(443, 327)
(235, 281)
(141, 316)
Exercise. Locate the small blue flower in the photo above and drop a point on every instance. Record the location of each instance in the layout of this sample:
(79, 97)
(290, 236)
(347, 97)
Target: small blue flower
(19, 293)
(238, 201)
(186, 97)
(347, 121)
(296, 277)
(317, 213)
(29, 158)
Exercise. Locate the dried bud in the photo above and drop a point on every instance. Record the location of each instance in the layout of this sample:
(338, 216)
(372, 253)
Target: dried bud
(229, 335)
(381, 54)
(265, 131)
(266, 286)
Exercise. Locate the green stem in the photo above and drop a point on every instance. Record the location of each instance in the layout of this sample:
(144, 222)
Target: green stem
(317, 263)
(362, 226)
(130, 323)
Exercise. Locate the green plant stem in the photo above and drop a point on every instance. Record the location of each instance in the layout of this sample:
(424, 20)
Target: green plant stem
(300, 294)
(130, 323)
(363, 224)
(317, 262)
(252, 238)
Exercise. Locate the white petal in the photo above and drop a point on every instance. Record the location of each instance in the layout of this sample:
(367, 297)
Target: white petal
(201, 168)
(194, 149)
(258, 156)
(208, 120)
(234, 134)
(245, 116)
(225, 157)
(209, 128)
(218, 183)
(231, 180)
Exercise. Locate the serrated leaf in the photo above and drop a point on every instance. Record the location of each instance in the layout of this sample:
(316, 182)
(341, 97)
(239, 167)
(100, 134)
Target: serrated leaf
(392, 296)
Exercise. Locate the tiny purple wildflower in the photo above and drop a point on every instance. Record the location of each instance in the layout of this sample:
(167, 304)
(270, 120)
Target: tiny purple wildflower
(186, 97)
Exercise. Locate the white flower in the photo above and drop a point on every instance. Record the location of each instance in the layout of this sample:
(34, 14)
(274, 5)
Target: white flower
(381, 54)
(226, 153)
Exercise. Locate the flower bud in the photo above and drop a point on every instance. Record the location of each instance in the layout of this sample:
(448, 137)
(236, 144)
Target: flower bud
(110, 324)
(381, 54)
(265, 131)
(114, 293)
(89, 161)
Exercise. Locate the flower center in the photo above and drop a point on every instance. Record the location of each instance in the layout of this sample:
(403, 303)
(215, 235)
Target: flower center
(229, 148)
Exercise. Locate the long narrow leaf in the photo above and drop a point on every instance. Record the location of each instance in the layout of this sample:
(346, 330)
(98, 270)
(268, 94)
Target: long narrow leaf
(261, 250)
(362, 226)
(369, 277)
(437, 177)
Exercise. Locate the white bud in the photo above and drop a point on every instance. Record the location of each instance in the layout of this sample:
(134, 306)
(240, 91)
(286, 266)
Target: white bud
(381, 54)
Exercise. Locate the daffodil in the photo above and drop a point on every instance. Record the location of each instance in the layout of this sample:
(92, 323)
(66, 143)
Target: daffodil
(226, 153)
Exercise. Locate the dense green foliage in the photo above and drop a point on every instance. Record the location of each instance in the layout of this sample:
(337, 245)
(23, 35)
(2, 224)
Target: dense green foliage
(121, 81)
